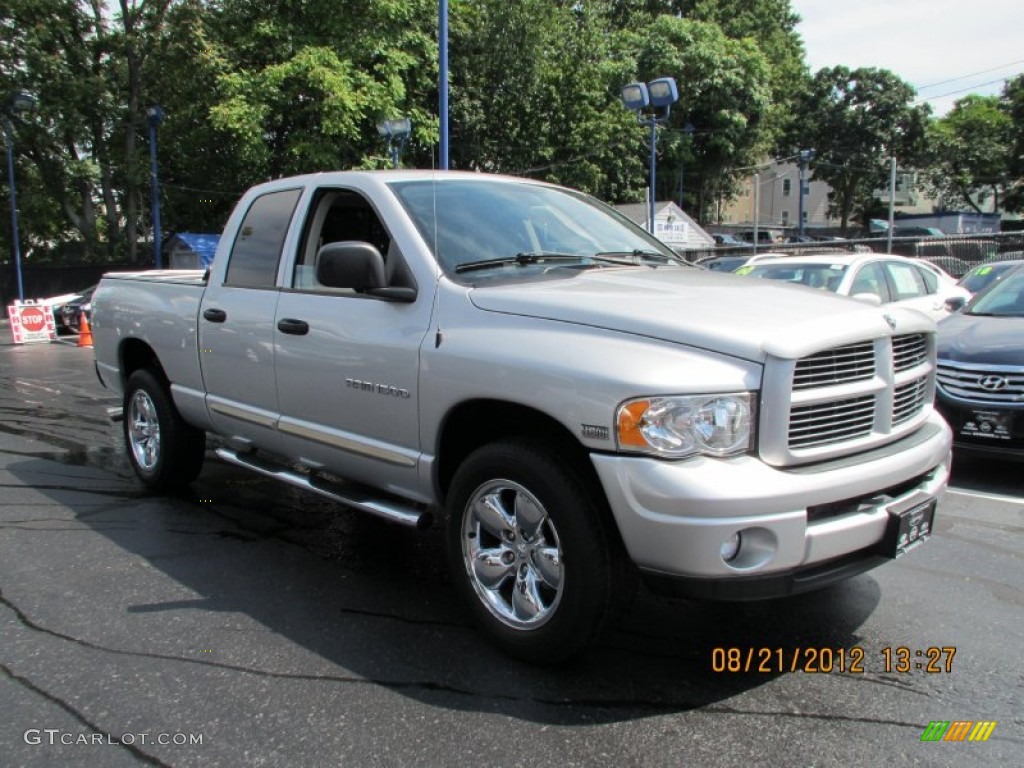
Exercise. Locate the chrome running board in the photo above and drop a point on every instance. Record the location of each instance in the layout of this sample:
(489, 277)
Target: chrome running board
(361, 499)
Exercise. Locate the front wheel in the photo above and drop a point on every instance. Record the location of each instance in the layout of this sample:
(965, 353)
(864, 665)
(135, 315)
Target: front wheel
(165, 452)
(529, 548)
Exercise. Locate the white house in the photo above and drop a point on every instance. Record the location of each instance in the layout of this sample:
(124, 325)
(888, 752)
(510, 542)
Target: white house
(672, 225)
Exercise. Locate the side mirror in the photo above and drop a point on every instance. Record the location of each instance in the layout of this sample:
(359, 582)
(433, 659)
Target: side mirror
(350, 264)
(956, 303)
(868, 298)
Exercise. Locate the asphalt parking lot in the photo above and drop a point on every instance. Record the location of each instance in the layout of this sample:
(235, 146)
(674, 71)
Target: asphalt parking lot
(246, 623)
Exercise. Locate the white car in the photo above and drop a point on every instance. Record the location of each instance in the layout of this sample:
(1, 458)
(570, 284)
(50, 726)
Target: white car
(878, 278)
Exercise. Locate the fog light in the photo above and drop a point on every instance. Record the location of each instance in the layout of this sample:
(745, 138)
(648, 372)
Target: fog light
(731, 547)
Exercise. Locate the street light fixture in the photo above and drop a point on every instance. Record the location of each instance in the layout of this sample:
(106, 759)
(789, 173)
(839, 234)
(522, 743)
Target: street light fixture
(652, 103)
(154, 116)
(806, 155)
(17, 101)
(397, 133)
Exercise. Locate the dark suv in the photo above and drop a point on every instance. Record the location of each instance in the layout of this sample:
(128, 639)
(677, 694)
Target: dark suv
(980, 385)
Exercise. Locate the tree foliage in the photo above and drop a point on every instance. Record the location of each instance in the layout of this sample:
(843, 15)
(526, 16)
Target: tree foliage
(1013, 103)
(83, 61)
(969, 151)
(725, 95)
(855, 121)
(253, 90)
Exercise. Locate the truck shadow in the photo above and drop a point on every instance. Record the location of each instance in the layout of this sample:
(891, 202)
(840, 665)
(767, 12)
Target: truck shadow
(367, 602)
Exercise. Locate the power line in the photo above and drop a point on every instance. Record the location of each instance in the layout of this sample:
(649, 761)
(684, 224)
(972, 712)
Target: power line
(973, 74)
(964, 90)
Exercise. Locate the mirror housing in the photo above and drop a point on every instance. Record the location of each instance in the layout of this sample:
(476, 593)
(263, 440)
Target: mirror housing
(868, 298)
(350, 264)
(956, 303)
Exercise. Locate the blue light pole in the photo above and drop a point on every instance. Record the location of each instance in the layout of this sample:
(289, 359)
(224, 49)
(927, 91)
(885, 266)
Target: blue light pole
(658, 95)
(154, 115)
(442, 86)
(16, 102)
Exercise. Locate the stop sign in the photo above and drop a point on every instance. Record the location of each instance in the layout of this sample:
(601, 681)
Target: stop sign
(33, 319)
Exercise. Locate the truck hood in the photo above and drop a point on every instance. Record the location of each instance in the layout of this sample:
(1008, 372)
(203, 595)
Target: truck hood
(738, 316)
(982, 340)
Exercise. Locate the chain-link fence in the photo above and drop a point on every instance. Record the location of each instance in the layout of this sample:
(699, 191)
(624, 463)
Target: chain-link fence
(956, 254)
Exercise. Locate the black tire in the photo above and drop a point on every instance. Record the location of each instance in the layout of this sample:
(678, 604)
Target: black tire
(540, 590)
(165, 452)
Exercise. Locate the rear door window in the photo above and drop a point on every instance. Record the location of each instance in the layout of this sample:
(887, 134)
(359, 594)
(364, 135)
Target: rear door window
(257, 247)
(907, 281)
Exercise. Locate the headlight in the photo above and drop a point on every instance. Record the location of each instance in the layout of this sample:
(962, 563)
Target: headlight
(675, 427)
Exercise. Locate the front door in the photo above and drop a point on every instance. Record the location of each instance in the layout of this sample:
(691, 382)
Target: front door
(346, 363)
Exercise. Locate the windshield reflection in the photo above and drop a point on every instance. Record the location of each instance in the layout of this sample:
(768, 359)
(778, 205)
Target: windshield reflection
(475, 221)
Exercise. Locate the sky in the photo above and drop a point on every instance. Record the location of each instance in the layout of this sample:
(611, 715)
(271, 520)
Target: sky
(938, 46)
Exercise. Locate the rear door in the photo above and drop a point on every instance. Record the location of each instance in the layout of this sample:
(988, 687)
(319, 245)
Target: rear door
(236, 325)
(910, 288)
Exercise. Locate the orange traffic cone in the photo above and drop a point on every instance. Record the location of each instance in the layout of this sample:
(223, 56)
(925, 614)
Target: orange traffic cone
(84, 332)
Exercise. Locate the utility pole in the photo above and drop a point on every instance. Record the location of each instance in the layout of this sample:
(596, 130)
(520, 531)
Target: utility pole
(892, 203)
(806, 155)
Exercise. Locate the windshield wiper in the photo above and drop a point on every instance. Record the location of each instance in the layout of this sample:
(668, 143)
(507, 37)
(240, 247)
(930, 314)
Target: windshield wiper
(637, 256)
(520, 259)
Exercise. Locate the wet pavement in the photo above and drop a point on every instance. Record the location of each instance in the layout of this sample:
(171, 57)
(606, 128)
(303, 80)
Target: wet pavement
(278, 629)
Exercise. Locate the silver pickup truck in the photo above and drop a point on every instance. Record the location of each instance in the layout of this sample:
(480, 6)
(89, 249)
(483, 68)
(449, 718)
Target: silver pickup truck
(578, 404)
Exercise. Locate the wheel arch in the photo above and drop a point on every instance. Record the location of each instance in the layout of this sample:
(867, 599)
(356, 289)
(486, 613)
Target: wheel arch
(135, 354)
(461, 434)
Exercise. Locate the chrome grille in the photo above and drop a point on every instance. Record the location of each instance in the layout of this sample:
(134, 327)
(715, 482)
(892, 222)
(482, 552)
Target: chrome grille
(832, 422)
(834, 402)
(979, 383)
(908, 351)
(854, 362)
(909, 400)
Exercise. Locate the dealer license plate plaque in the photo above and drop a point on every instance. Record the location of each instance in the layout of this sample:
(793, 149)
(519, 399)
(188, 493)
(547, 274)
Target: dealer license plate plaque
(909, 526)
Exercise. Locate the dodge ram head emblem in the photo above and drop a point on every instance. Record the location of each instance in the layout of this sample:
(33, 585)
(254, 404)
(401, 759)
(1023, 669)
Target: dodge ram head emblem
(994, 383)
(889, 319)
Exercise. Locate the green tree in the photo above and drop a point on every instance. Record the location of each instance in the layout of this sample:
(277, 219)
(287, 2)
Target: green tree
(1013, 103)
(969, 151)
(856, 120)
(725, 94)
(83, 61)
(300, 86)
(534, 90)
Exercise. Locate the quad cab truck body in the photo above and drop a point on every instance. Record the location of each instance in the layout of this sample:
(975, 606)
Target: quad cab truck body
(575, 404)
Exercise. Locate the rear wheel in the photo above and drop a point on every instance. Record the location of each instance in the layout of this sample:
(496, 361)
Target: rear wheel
(165, 452)
(529, 549)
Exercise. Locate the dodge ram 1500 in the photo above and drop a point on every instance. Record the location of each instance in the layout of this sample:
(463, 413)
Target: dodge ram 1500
(574, 402)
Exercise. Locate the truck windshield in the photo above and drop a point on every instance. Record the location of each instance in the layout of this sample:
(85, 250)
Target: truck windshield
(494, 228)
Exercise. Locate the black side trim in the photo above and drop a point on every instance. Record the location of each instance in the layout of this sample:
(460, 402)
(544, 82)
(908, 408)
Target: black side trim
(783, 584)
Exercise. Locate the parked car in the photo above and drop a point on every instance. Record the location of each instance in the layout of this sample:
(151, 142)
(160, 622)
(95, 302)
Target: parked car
(72, 311)
(57, 304)
(725, 263)
(725, 240)
(876, 277)
(983, 275)
(980, 386)
(764, 236)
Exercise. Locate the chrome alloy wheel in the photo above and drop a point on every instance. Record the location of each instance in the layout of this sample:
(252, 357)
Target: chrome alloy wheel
(512, 554)
(144, 430)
